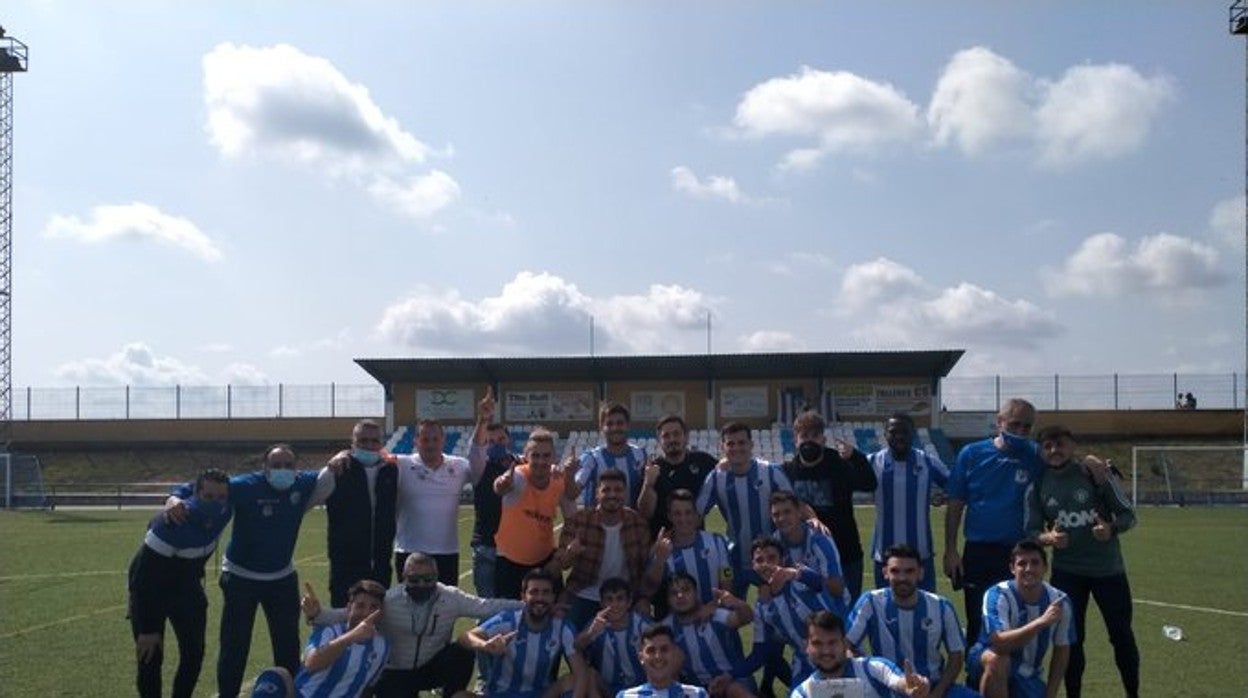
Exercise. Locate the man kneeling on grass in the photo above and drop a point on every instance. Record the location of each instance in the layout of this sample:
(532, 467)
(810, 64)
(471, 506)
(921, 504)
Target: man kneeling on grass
(528, 644)
(342, 660)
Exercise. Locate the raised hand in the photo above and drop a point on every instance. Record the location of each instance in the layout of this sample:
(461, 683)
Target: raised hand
(1052, 614)
(1059, 538)
(308, 603)
(497, 645)
(487, 406)
(1101, 530)
(366, 629)
(651, 473)
(662, 548)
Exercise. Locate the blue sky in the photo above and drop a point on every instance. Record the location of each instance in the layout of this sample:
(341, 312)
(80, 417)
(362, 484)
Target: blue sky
(260, 192)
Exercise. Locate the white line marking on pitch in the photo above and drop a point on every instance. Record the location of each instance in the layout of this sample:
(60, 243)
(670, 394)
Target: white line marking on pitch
(62, 621)
(59, 575)
(1202, 609)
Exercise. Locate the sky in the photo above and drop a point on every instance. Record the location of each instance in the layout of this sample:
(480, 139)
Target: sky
(260, 192)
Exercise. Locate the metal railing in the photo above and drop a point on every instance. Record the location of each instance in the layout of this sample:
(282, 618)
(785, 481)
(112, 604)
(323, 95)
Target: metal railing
(959, 394)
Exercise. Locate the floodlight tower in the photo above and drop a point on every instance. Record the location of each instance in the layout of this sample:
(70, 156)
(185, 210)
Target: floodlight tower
(1239, 27)
(12, 60)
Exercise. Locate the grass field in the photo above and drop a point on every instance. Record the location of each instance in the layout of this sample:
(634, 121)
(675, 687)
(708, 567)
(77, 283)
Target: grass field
(64, 633)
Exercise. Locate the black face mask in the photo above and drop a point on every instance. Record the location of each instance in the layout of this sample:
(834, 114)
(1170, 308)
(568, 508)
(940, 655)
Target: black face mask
(810, 451)
(420, 593)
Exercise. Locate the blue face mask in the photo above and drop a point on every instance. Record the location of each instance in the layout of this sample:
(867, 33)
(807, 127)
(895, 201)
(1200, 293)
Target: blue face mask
(1015, 442)
(205, 509)
(280, 478)
(366, 456)
(496, 452)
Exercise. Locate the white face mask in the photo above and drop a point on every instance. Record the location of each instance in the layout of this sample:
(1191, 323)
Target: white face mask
(280, 478)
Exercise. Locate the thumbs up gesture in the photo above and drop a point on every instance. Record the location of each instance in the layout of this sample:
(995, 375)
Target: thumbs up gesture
(309, 604)
(1101, 530)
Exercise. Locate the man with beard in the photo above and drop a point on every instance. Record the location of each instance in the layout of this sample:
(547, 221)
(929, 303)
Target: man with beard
(528, 644)
(1023, 617)
(662, 660)
(907, 476)
(903, 623)
(418, 619)
(616, 454)
(877, 677)
(826, 479)
(1083, 519)
(990, 482)
(532, 494)
(609, 540)
(678, 469)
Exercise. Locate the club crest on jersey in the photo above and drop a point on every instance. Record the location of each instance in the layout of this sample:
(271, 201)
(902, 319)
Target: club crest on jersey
(928, 623)
(1021, 476)
(266, 510)
(295, 497)
(1081, 496)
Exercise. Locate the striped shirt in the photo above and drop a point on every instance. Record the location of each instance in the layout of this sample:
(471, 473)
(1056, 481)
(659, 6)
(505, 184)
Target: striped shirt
(1005, 609)
(676, 690)
(354, 670)
(816, 552)
(706, 559)
(531, 655)
(745, 502)
(915, 634)
(783, 618)
(711, 647)
(596, 461)
(902, 500)
(614, 652)
(874, 674)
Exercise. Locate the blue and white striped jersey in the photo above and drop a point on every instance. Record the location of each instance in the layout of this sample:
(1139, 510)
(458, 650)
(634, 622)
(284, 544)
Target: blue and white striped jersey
(676, 690)
(745, 502)
(531, 654)
(356, 669)
(596, 461)
(898, 634)
(817, 552)
(711, 647)
(706, 560)
(902, 500)
(614, 653)
(1005, 609)
(875, 675)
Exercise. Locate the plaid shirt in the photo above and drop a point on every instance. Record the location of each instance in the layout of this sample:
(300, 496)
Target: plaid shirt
(586, 524)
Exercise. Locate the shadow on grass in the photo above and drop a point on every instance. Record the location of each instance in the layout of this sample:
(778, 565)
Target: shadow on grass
(75, 517)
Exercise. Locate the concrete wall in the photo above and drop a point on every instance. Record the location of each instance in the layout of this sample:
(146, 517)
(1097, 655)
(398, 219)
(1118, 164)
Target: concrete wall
(102, 432)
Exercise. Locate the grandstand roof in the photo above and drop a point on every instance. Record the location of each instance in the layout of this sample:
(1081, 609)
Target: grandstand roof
(683, 367)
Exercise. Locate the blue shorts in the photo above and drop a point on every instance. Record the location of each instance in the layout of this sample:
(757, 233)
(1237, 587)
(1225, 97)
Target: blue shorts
(1020, 686)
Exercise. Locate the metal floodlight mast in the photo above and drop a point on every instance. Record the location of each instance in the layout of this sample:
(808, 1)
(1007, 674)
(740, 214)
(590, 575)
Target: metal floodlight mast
(1239, 27)
(12, 60)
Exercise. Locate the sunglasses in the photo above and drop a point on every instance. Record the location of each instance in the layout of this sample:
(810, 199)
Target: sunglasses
(422, 578)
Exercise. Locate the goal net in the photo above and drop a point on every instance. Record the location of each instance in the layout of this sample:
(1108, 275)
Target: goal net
(1189, 474)
(21, 481)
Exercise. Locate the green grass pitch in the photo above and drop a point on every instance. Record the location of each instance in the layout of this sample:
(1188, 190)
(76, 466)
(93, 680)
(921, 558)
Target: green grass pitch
(64, 633)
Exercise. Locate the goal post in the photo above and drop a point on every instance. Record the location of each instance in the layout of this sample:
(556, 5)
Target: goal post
(1189, 474)
(22, 480)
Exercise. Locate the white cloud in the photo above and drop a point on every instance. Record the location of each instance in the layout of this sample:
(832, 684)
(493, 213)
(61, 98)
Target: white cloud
(1097, 112)
(1227, 221)
(890, 305)
(870, 282)
(770, 341)
(244, 374)
(980, 100)
(135, 364)
(217, 348)
(135, 221)
(418, 197)
(280, 102)
(840, 110)
(1105, 265)
(715, 186)
(538, 312)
